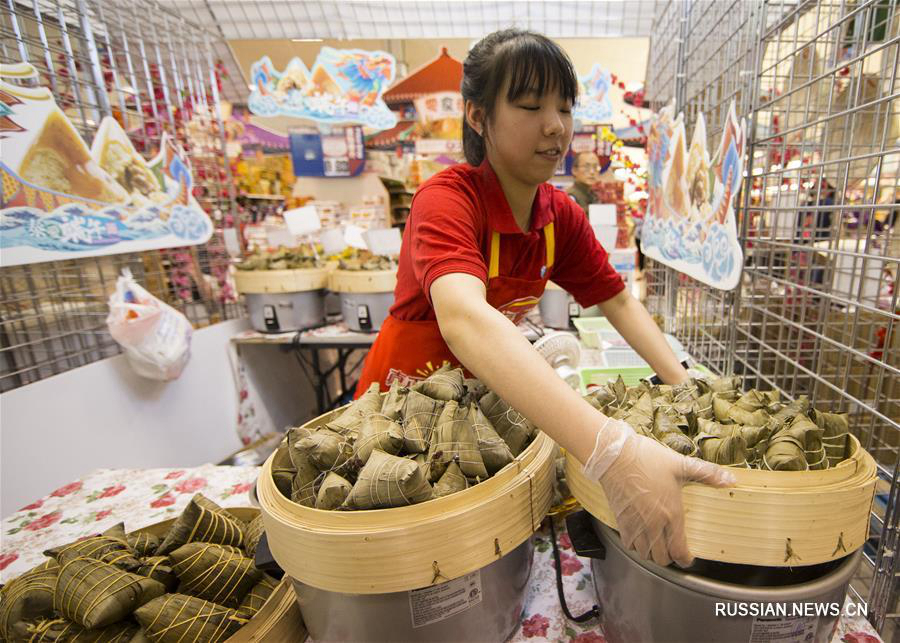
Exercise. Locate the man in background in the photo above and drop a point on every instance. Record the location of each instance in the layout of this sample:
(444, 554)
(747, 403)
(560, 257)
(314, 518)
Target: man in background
(586, 172)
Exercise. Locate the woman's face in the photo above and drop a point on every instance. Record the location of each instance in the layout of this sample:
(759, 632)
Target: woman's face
(527, 137)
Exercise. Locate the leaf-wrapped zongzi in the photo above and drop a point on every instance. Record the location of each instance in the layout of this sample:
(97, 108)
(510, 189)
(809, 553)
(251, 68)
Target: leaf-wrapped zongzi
(333, 491)
(494, 451)
(420, 415)
(257, 596)
(454, 438)
(388, 481)
(446, 383)
(348, 421)
(202, 521)
(377, 432)
(175, 618)
(159, 568)
(109, 549)
(252, 534)
(510, 425)
(95, 594)
(59, 630)
(28, 596)
(452, 481)
(324, 449)
(667, 432)
(394, 401)
(216, 573)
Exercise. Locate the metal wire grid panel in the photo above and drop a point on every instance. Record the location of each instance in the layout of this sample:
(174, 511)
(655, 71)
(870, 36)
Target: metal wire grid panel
(154, 73)
(816, 312)
(351, 19)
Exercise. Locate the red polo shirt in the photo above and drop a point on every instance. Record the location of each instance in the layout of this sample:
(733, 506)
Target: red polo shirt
(449, 230)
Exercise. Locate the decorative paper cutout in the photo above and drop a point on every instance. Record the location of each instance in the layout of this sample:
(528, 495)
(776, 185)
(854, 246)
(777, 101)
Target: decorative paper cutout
(690, 223)
(62, 200)
(593, 104)
(344, 86)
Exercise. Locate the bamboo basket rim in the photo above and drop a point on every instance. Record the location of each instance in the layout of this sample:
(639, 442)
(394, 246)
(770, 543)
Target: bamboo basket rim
(362, 281)
(770, 518)
(281, 281)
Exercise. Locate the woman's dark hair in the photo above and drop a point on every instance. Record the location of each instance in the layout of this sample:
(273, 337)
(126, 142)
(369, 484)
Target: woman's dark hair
(531, 62)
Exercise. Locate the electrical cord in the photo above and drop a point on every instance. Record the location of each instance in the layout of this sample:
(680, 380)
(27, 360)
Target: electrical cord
(594, 612)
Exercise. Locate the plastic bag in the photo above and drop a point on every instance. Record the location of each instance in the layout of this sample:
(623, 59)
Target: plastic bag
(155, 337)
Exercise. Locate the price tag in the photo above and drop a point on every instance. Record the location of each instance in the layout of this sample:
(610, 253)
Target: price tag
(277, 236)
(383, 241)
(303, 221)
(332, 241)
(353, 236)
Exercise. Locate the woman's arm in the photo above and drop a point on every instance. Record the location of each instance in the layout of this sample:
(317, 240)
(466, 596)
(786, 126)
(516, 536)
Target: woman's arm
(635, 324)
(496, 352)
(642, 478)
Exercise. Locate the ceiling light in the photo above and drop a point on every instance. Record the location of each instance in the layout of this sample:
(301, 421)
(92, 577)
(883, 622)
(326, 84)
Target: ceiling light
(306, 40)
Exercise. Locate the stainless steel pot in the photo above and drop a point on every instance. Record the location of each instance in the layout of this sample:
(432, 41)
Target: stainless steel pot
(484, 606)
(711, 601)
(366, 311)
(287, 311)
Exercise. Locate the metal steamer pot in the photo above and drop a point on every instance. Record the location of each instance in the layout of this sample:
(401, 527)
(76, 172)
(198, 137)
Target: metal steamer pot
(642, 601)
(365, 311)
(484, 606)
(559, 307)
(286, 311)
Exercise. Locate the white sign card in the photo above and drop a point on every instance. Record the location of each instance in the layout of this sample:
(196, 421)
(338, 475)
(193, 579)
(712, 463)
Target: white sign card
(303, 221)
(333, 241)
(383, 241)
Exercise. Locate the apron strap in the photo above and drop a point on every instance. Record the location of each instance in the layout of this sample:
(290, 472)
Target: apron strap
(549, 241)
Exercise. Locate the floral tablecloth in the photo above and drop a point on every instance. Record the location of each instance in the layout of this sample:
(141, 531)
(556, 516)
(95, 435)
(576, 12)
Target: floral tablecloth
(143, 497)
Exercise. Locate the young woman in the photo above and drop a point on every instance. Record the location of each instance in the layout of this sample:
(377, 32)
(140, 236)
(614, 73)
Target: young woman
(481, 242)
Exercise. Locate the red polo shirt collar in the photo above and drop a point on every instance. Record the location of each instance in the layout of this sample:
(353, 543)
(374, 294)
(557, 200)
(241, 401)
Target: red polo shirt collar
(499, 215)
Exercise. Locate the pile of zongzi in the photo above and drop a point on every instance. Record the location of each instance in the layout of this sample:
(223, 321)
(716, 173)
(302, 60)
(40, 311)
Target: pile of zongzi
(436, 437)
(354, 259)
(281, 259)
(715, 421)
(198, 583)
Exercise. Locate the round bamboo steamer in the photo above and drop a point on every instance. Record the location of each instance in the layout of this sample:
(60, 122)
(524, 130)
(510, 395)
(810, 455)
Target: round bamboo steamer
(769, 518)
(362, 281)
(278, 281)
(390, 550)
(278, 619)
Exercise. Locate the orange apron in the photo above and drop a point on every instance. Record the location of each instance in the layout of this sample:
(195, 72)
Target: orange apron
(410, 351)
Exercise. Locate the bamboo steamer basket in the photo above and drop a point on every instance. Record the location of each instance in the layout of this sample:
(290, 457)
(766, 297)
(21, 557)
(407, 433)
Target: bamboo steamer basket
(280, 281)
(278, 619)
(393, 550)
(769, 518)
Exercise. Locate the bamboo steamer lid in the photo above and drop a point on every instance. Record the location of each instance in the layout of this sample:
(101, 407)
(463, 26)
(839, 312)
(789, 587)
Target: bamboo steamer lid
(391, 550)
(278, 619)
(769, 518)
(280, 281)
(362, 281)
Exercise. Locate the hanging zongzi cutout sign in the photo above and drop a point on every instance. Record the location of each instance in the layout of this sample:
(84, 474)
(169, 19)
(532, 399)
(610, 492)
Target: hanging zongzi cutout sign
(344, 86)
(690, 223)
(593, 104)
(63, 200)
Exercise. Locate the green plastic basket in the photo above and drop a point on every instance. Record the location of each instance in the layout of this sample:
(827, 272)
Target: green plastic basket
(594, 330)
(632, 376)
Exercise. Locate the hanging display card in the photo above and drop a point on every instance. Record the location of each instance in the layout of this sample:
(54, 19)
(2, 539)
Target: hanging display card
(690, 222)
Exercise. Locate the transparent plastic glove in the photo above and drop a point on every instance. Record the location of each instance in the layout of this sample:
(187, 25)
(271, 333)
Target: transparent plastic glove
(642, 480)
